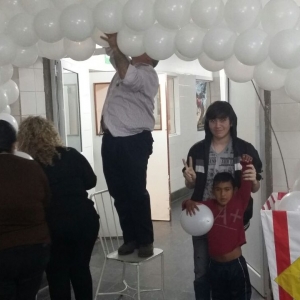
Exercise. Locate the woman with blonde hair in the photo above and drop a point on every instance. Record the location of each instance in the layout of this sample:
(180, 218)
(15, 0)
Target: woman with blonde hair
(72, 219)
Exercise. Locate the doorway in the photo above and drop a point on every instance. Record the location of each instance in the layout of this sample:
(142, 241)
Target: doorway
(158, 165)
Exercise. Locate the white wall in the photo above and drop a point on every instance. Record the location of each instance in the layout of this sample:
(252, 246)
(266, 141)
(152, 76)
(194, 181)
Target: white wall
(286, 123)
(245, 103)
(85, 107)
(187, 134)
(32, 95)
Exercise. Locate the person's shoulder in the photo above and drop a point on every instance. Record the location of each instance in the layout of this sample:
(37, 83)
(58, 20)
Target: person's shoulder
(72, 153)
(198, 146)
(29, 164)
(67, 151)
(147, 68)
(242, 143)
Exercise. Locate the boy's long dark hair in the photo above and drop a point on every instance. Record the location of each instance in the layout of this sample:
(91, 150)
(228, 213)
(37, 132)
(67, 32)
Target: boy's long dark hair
(224, 177)
(220, 110)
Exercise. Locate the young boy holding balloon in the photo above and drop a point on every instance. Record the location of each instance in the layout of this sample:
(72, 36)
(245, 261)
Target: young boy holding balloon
(228, 272)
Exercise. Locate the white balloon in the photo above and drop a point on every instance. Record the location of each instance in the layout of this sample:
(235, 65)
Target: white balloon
(63, 4)
(210, 65)
(10, 119)
(207, 13)
(77, 22)
(278, 15)
(290, 202)
(172, 14)
(292, 85)
(11, 7)
(218, 43)
(26, 56)
(53, 51)
(3, 22)
(252, 47)
(131, 43)
(189, 41)
(198, 224)
(11, 89)
(236, 71)
(3, 100)
(297, 27)
(21, 29)
(6, 110)
(108, 16)
(47, 25)
(139, 14)
(182, 57)
(35, 6)
(6, 73)
(7, 50)
(96, 36)
(23, 155)
(241, 15)
(268, 76)
(285, 49)
(91, 3)
(159, 42)
(80, 50)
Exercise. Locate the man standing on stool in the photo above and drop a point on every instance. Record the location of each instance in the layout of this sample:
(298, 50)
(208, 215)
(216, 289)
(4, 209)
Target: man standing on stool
(127, 122)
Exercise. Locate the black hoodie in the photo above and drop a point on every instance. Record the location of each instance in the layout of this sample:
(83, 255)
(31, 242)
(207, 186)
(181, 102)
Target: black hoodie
(200, 154)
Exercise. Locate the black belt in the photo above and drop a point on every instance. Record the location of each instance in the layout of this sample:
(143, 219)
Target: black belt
(106, 131)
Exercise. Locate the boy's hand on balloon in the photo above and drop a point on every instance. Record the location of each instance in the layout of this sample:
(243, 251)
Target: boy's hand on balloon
(191, 207)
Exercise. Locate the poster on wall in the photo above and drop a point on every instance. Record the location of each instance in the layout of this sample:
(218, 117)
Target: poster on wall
(202, 102)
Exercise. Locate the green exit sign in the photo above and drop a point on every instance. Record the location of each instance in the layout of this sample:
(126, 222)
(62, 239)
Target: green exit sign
(107, 61)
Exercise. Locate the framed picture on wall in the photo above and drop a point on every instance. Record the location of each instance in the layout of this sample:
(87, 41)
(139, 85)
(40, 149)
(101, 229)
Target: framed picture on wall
(157, 111)
(100, 92)
(202, 102)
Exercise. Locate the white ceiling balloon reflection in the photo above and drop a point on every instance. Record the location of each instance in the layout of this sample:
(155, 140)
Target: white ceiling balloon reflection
(246, 38)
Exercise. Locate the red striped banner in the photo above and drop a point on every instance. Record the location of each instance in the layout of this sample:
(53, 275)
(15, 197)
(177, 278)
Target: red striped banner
(282, 247)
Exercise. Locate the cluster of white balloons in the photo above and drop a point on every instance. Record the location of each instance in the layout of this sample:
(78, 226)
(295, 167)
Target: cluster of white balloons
(246, 39)
(243, 37)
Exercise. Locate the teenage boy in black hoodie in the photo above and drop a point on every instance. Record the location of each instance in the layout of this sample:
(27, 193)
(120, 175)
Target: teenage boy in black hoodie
(220, 151)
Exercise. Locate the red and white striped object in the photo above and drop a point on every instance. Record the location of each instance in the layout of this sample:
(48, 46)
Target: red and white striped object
(282, 239)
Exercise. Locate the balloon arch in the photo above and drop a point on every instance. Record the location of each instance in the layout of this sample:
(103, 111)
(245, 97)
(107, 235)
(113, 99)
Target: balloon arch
(242, 37)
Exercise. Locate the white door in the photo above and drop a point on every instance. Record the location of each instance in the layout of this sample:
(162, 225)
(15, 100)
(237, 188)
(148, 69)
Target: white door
(158, 166)
(158, 169)
(74, 107)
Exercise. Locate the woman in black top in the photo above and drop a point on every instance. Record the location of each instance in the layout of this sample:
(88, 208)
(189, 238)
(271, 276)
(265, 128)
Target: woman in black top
(72, 219)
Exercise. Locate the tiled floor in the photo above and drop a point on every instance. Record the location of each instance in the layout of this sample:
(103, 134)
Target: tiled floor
(177, 246)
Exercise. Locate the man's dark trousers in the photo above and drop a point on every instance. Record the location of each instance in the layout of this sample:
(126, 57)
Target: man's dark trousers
(125, 161)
